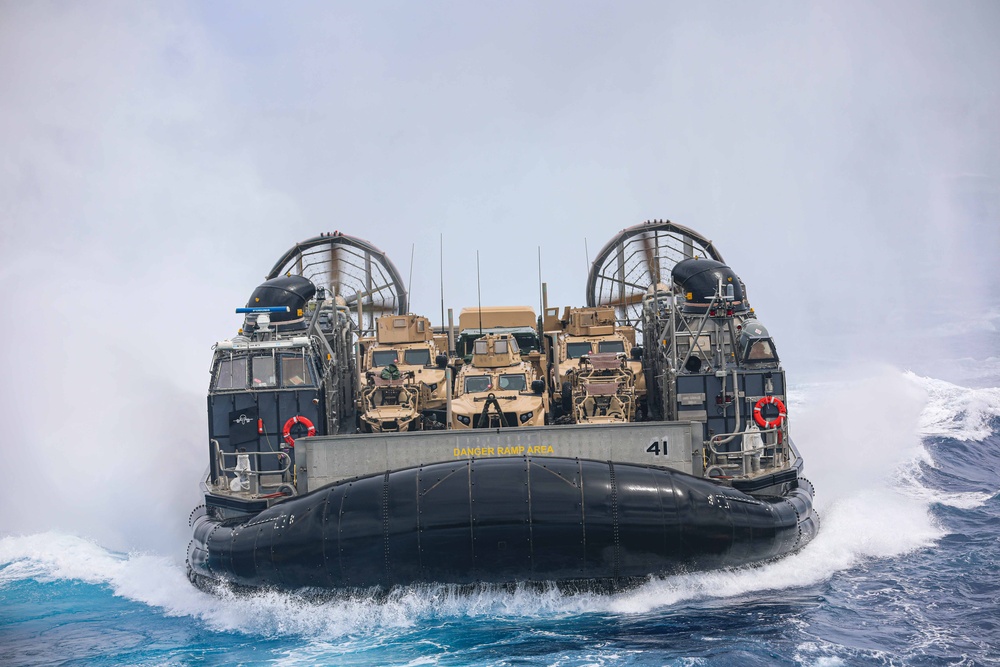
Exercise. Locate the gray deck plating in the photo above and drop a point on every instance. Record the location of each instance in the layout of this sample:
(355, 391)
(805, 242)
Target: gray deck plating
(327, 459)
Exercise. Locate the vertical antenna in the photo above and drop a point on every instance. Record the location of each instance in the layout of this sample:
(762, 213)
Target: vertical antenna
(586, 252)
(541, 305)
(441, 251)
(409, 282)
(479, 293)
(451, 332)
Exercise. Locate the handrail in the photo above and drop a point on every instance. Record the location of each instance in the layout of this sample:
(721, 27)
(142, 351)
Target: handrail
(745, 454)
(252, 474)
(736, 401)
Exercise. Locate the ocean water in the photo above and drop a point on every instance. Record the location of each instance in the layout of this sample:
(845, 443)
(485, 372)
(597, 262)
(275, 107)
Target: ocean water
(905, 571)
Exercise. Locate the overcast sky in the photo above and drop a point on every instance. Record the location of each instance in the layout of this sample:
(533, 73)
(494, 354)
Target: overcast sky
(158, 158)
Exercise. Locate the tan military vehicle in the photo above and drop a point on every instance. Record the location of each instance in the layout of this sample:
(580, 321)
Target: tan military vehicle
(498, 388)
(520, 321)
(390, 402)
(402, 373)
(595, 367)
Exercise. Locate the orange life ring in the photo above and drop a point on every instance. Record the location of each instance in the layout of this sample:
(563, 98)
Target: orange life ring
(286, 432)
(768, 400)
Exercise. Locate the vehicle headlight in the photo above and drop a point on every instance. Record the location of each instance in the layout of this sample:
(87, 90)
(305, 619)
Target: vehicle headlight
(526, 416)
(462, 418)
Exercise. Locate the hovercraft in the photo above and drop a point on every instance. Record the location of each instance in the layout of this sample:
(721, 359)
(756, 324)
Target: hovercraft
(695, 469)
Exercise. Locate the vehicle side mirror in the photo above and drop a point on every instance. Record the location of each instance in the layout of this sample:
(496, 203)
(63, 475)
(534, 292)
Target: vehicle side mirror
(441, 360)
(538, 386)
(637, 352)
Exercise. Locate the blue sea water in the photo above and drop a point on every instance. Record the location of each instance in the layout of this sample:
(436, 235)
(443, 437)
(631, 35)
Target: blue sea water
(905, 571)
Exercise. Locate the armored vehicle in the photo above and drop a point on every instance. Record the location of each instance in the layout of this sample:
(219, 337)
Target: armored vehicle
(499, 389)
(402, 375)
(520, 321)
(595, 366)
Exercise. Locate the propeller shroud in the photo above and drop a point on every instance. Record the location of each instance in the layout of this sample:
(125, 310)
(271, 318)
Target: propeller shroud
(350, 268)
(637, 258)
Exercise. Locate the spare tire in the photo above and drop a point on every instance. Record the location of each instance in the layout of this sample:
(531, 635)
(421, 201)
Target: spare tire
(567, 398)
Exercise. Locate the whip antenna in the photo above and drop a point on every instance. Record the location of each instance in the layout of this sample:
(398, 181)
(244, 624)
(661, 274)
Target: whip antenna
(541, 305)
(479, 293)
(409, 282)
(441, 252)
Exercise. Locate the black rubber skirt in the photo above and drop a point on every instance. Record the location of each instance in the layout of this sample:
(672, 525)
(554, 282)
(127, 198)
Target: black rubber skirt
(502, 520)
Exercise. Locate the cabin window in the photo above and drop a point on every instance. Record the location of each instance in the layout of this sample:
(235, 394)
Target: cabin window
(232, 373)
(384, 358)
(475, 384)
(417, 357)
(577, 350)
(294, 372)
(513, 346)
(500, 346)
(513, 382)
(527, 341)
(611, 346)
(263, 372)
(761, 350)
(479, 347)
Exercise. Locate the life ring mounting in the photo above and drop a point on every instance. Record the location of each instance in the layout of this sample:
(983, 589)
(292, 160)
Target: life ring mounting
(286, 432)
(769, 423)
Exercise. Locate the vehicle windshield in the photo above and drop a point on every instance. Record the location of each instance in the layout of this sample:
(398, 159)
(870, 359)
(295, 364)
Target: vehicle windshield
(232, 373)
(475, 384)
(513, 382)
(384, 358)
(761, 351)
(611, 346)
(417, 357)
(294, 371)
(577, 350)
(263, 372)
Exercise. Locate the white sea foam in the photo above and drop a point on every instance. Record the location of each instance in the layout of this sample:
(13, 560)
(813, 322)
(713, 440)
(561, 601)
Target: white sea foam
(957, 412)
(852, 533)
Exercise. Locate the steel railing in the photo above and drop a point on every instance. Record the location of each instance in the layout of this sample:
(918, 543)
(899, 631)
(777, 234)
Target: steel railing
(749, 460)
(249, 475)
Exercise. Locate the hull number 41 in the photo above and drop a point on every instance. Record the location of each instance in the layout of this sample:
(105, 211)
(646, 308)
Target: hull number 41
(657, 448)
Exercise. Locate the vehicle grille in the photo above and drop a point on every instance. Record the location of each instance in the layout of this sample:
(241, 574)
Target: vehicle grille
(511, 418)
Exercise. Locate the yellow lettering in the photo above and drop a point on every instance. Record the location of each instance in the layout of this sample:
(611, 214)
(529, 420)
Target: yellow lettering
(467, 452)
